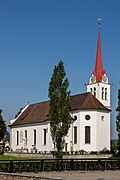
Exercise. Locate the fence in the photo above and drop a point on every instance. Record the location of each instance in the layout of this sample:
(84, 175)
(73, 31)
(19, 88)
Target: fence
(59, 165)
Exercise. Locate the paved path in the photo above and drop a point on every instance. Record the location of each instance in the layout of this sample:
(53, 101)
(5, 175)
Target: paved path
(82, 175)
(65, 175)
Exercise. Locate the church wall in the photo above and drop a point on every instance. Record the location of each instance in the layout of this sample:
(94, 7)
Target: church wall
(103, 131)
(81, 123)
(99, 134)
(28, 143)
(92, 124)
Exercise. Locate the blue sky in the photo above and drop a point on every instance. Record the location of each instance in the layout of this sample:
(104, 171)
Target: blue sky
(36, 34)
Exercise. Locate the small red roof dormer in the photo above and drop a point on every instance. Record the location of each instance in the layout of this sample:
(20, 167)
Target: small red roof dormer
(99, 71)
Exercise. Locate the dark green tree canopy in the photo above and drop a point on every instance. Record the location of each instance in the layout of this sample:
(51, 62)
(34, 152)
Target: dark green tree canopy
(60, 118)
(2, 127)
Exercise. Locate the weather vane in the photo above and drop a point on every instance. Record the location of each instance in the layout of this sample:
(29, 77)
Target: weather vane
(99, 20)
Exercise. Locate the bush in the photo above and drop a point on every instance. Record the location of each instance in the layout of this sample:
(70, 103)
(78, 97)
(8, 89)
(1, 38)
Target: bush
(105, 151)
(1, 152)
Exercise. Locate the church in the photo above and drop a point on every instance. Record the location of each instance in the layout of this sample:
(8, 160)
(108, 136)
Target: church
(90, 130)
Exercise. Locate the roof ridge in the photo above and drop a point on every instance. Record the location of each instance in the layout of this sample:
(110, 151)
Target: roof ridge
(79, 94)
(49, 100)
(39, 102)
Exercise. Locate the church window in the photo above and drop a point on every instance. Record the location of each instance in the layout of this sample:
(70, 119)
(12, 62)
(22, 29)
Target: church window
(17, 137)
(25, 137)
(21, 136)
(87, 117)
(34, 137)
(45, 131)
(105, 93)
(87, 134)
(91, 89)
(75, 134)
(102, 92)
(102, 117)
(94, 91)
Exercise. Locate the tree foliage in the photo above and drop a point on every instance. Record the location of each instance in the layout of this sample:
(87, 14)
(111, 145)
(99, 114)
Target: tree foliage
(2, 127)
(118, 122)
(60, 118)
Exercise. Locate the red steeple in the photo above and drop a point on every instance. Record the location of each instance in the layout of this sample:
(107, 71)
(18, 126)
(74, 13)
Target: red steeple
(99, 71)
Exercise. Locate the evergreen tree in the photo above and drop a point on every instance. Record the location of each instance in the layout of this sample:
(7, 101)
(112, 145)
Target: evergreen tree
(118, 122)
(60, 119)
(2, 127)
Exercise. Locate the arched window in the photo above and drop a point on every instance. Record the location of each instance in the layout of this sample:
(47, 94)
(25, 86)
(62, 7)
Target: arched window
(21, 136)
(75, 134)
(102, 92)
(94, 91)
(26, 137)
(105, 93)
(34, 137)
(45, 132)
(87, 134)
(17, 137)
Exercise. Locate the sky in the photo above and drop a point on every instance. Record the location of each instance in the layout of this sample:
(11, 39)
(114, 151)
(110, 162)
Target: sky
(36, 34)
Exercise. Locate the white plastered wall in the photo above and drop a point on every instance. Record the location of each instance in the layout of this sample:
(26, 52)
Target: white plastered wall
(30, 137)
(103, 130)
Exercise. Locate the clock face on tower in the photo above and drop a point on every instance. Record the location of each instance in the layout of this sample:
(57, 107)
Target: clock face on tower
(104, 78)
(93, 79)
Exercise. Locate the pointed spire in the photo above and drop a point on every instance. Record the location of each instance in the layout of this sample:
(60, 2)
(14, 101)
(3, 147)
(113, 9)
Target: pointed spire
(99, 70)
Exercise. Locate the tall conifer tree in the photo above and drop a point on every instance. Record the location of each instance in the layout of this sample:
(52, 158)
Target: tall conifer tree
(60, 118)
(118, 122)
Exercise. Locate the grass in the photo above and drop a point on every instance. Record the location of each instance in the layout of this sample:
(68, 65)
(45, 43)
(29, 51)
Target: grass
(3, 157)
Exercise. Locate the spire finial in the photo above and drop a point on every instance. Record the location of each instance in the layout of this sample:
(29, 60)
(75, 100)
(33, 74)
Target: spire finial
(99, 20)
(99, 70)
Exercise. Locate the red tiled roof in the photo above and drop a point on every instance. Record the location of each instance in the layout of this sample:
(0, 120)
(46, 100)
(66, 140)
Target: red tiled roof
(39, 112)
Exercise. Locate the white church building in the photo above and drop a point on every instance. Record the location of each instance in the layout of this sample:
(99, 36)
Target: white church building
(90, 130)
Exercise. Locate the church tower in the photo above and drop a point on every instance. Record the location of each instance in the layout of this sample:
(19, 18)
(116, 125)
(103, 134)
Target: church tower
(99, 82)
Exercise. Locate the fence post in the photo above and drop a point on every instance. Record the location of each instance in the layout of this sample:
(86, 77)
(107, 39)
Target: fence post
(86, 165)
(42, 165)
(105, 165)
(71, 164)
(11, 166)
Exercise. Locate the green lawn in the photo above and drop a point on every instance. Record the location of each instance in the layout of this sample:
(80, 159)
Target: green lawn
(3, 157)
